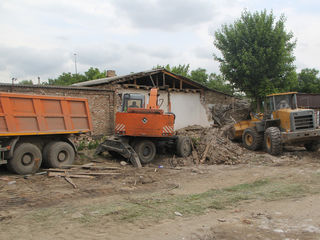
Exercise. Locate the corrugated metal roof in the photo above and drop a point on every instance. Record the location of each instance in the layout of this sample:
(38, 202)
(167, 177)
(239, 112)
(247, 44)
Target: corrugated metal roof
(116, 78)
(55, 87)
(142, 74)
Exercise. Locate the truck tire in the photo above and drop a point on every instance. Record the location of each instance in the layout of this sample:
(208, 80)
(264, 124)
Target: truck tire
(272, 141)
(146, 151)
(26, 159)
(57, 154)
(312, 146)
(251, 139)
(183, 147)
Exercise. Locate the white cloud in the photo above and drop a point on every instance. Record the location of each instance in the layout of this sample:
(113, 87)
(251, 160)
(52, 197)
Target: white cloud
(39, 37)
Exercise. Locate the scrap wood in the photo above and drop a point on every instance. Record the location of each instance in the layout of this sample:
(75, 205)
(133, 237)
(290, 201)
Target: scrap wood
(60, 174)
(69, 180)
(194, 154)
(97, 173)
(100, 168)
(203, 159)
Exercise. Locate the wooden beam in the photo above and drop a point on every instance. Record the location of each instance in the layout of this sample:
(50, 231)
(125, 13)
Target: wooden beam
(164, 79)
(180, 84)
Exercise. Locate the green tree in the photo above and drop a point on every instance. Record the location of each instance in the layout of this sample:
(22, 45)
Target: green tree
(308, 81)
(199, 75)
(257, 54)
(26, 82)
(218, 82)
(94, 73)
(70, 78)
(182, 70)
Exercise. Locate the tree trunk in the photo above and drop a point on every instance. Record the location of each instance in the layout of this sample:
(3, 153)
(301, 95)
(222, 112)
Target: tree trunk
(258, 102)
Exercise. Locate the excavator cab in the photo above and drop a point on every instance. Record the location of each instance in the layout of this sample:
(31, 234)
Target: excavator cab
(132, 100)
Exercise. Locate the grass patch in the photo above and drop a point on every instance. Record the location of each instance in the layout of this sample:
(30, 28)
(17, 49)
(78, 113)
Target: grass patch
(157, 208)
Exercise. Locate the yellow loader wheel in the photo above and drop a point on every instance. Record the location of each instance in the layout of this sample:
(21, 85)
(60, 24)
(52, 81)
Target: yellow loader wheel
(272, 141)
(251, 139)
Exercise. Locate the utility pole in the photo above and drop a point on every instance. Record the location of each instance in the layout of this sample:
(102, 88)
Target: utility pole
(39, 82)
(75, 62)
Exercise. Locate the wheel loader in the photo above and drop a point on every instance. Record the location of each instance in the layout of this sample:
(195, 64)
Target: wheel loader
(282, 123)
(141, 132)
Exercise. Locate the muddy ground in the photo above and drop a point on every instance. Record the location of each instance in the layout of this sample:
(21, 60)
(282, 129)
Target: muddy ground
(263, 197)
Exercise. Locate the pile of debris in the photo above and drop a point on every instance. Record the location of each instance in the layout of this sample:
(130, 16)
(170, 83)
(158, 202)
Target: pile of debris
(89, 170)
(228, 114)
(211, 146)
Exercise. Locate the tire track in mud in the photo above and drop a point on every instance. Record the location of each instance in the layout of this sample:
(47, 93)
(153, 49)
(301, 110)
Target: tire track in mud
(29, 201)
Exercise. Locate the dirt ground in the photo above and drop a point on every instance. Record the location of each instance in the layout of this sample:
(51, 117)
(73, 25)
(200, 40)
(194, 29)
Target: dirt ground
(265, 197)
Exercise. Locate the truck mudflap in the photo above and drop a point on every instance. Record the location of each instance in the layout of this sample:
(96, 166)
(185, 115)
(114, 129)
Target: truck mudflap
(299, 136)
(121, 147)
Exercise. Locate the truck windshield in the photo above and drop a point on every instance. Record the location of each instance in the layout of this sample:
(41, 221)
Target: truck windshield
(283, 101)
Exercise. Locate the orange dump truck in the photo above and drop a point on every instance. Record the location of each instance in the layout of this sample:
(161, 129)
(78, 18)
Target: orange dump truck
(37, 129)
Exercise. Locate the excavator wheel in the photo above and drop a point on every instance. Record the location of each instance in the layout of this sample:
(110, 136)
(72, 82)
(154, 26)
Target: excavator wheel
(272, 141)
(251, 139)
(146, 150)
(183, 146)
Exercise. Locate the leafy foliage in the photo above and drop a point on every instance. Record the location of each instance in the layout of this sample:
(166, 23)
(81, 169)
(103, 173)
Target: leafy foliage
(218, 82)
(70, 78)
(26, 82)
(257, 54)
(308, 81)
(200, 75)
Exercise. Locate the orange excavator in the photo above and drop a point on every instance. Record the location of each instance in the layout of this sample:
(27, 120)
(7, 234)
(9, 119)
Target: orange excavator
(142, 131)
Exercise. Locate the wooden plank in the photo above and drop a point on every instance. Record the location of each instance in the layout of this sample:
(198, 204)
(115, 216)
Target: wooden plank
(59, 174)
(71, 182)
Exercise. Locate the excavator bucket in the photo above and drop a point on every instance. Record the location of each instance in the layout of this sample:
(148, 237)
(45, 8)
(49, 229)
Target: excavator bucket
(117, 145)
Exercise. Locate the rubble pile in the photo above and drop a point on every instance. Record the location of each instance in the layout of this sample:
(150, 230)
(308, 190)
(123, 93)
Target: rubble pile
(211, 146)
(227, 114)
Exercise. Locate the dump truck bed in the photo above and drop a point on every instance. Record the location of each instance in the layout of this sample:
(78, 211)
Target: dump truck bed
(22, 114)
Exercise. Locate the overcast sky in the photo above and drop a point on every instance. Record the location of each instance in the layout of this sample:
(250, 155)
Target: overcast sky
(40, 37)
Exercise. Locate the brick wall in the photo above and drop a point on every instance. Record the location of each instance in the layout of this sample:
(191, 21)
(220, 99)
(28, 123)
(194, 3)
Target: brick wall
(101, 102)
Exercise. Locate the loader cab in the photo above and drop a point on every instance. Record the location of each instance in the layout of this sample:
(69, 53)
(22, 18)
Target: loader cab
(132, 100)
(279, 101)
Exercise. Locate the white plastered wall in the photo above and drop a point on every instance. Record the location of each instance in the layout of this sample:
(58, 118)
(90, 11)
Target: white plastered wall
(186, 106)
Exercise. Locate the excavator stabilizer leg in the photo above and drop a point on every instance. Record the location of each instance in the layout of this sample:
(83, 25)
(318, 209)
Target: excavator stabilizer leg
(121, 147)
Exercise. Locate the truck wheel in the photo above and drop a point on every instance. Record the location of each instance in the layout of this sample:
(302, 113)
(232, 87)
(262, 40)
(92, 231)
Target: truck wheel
(26, 159)
(312, 146)
(251, 139)
(272, 141)
(58, 154)
(146, 151)
(183, 146)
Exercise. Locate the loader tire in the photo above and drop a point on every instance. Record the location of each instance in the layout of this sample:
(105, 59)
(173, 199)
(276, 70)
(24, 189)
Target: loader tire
(58, 154)
(251, 139)
(312, 146)
(26, 159)
(272, 141)
(183, 148)
(146, 151)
